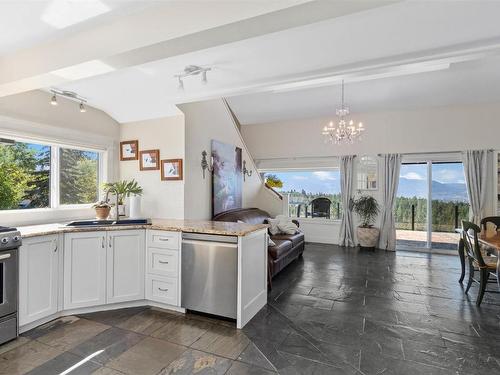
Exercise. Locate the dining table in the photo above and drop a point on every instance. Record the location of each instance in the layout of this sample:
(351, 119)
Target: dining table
(489, 239)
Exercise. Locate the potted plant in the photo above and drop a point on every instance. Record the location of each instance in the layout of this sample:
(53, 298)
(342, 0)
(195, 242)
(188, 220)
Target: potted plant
(103, 208)
(122, 189)
(367, 208)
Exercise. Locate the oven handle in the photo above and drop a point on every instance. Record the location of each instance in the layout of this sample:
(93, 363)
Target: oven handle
(4, 256)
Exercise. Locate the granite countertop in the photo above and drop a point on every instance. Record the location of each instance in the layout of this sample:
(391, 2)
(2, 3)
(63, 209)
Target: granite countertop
(176, 225)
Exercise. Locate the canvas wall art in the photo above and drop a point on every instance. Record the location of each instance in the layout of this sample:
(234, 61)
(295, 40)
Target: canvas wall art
(227, 181)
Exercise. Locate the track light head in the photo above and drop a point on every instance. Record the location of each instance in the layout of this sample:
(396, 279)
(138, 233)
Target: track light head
(53, 100)
(204, 77)
(82, 107)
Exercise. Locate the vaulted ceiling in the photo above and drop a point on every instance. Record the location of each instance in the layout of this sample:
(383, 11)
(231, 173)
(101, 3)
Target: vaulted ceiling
(274, 60)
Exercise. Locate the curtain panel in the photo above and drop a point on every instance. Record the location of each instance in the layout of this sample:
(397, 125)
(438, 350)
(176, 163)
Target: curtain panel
(346, 235)
(476, 173)
(391, 166)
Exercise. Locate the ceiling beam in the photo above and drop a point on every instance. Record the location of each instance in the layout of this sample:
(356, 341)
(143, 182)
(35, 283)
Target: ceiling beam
(161, 32)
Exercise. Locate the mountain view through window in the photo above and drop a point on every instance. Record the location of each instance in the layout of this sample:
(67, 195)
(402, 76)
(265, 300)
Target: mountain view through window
(314, 194)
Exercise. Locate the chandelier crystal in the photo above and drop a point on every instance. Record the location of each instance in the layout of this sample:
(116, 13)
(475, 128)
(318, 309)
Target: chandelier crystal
(345, 131)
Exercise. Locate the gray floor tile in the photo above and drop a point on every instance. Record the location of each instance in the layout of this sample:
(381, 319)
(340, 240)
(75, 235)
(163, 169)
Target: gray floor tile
(112, 342)
(200, 363)
(64, 362)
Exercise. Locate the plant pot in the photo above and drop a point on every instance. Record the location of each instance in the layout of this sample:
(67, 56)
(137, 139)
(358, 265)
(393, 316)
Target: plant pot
(102, 213)
(368, 236)
(121, 210)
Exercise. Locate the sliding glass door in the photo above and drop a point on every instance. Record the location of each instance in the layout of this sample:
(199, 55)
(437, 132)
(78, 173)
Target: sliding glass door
(430, 204)
(411, 206)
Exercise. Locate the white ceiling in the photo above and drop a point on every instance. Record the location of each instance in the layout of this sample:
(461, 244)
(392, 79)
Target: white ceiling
(22, 22)
(252, 68)
(463, 83)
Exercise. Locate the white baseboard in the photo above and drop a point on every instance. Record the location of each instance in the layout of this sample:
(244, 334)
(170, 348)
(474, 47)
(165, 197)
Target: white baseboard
(86, 310)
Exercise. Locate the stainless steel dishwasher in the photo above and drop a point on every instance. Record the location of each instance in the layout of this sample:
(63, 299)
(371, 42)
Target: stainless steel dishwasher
(210, 274)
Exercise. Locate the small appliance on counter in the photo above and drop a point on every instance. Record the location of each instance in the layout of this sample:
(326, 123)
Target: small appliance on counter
(10, 241)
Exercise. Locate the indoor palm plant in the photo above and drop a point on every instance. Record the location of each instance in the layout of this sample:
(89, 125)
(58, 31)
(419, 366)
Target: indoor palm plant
(367, 209)
(122, 189)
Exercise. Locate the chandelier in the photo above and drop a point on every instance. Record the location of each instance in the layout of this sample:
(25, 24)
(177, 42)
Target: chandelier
(345, 131)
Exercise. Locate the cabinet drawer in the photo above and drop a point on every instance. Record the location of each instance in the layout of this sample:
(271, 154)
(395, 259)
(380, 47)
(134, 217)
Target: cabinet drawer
(162, 289)
(163, 262)
(164, 239)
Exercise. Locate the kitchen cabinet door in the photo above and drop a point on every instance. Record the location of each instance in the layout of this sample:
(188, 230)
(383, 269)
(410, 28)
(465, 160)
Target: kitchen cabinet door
(125, 265)
(84, 269)
(38, 278)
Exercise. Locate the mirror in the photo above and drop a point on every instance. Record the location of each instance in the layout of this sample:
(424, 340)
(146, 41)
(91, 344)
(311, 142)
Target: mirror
(367, 173)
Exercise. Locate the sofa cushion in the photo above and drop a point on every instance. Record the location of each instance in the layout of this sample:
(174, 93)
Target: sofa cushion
(295, 238)
(248, 215)
(281, 247)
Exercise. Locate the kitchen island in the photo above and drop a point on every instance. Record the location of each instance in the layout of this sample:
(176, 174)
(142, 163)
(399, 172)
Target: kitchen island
(70, 270)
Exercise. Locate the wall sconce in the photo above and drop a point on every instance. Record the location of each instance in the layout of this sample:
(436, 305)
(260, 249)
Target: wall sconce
(204, 163)
(246, 172)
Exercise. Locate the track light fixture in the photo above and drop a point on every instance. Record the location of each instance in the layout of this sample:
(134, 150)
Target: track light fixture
(192, 70)
(70, 95)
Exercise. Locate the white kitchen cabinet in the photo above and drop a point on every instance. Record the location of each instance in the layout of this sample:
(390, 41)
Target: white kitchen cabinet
(163, 262)
(162, 289)
(125, 265)
(84, 269)
(38, 278)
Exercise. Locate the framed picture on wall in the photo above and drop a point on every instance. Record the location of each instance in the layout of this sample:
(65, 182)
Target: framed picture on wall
(129, 150)
(171, 169)
(227, 181)
(149, 160)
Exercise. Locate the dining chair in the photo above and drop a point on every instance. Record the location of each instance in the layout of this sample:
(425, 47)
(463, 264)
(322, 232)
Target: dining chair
(490, 219)
(486, 265)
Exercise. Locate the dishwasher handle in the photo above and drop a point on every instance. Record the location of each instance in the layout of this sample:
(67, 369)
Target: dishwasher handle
(209, 238)
(208, 243)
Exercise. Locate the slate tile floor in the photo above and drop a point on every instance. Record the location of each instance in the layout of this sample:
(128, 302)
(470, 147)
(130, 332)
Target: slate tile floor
(336, 311)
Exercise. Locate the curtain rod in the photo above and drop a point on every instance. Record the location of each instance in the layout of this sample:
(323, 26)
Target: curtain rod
(432, 153)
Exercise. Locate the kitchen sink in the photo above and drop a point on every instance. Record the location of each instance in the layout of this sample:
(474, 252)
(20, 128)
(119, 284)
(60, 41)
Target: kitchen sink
(100, 223)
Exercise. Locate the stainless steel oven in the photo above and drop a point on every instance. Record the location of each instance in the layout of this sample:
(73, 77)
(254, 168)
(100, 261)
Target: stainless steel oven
(10, 240)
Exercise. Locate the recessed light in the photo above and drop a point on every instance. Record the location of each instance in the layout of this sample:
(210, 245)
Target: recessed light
(64, 13)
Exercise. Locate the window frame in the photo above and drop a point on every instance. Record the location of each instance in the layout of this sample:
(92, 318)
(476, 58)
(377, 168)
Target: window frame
(54, 175)
(318, 220)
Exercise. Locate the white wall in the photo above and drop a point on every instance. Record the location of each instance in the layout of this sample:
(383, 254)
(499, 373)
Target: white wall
(205, 121)
(423, 130)
(296, 143)
(161, 199)
(30, 116)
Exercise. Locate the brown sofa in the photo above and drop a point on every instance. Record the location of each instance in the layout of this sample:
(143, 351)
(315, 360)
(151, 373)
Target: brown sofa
(288, 247)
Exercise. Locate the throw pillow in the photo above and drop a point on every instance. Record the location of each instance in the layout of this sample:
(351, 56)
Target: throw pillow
(287, 227)
(273, 226)
(270, 242)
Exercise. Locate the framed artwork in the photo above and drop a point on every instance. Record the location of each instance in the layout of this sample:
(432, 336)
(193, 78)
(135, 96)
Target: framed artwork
(129, 150)
(171, 169)
(227, 181)
(149, 160)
